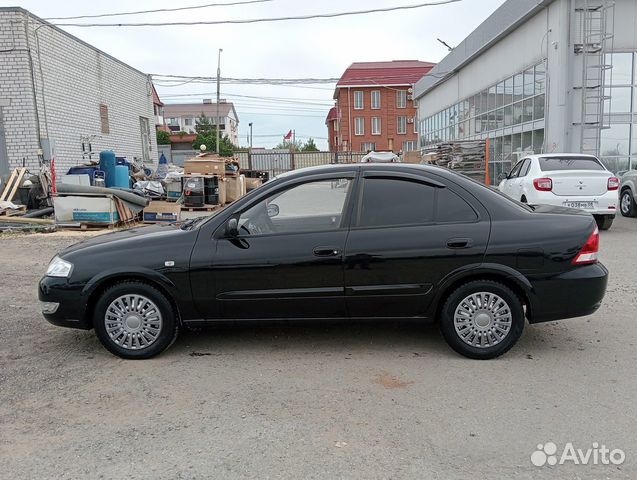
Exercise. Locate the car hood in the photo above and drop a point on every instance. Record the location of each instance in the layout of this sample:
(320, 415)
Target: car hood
(124, 239)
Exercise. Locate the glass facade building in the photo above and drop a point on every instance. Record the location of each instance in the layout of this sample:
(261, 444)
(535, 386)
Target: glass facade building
(618, 142)
(509, 112)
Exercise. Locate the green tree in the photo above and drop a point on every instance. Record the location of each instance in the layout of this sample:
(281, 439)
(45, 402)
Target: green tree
(163, 138)
(204, 126)
(294, 146)
(207, 135)
(309, 146)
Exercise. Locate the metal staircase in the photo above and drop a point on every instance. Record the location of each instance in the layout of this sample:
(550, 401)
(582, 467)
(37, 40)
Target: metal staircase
(594, 40)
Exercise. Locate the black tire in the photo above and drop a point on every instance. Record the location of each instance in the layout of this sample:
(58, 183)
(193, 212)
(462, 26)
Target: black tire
(604, 222)
(168, 331)
(626, 197)
(453, 338)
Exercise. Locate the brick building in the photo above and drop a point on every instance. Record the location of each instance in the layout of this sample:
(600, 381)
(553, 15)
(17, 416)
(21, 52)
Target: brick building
(374, 107)
(58, 94)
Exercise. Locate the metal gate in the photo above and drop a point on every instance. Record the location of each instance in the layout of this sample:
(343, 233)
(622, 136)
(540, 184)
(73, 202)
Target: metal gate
(275, 161)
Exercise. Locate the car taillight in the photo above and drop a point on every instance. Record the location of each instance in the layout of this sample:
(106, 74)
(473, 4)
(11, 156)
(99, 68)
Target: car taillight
(543, 184)
(613, 183)
(588, 253)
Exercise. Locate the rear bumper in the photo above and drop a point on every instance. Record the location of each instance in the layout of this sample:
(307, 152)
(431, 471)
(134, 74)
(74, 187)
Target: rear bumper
(605, 204)
(71, 311)
(576, 293)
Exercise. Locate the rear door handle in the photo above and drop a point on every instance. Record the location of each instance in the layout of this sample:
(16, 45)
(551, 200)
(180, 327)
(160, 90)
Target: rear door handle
(456, 243)
(326, 251)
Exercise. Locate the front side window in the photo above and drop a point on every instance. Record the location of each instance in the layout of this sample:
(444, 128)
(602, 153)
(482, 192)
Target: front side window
(309, 207)
(388, 202)
(401, 125)
(401, 99)
(359, 126)
(358, 100)
(375, 99)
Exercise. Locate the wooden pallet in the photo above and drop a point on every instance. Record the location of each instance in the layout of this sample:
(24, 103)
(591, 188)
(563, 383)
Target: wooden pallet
(205, 208)
(10, 212)
(85, 227)
(15, 180)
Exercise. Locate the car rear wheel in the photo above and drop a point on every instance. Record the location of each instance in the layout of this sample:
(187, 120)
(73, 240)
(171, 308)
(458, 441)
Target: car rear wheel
(604, 222)
(135, 320)
(482, 319)
(627, 204)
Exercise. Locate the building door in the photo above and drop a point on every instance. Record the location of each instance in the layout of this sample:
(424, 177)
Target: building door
(144, 126)
(4, 159)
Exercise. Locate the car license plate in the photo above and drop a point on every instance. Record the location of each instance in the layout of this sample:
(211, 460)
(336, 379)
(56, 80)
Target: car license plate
(582, 205)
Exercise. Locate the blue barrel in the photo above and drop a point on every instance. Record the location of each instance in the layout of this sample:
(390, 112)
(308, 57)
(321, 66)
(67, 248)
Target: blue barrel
(107, 165)
(121, 176)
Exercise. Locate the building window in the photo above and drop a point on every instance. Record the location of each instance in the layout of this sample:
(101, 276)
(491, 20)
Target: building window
(375, 99)
(401, 125)
(409, 146)
(188, 122)
(368, 147)
(401, 99)
(335, 126)
(104, 126)
(358, 100)
(375, 125)
(359, 126)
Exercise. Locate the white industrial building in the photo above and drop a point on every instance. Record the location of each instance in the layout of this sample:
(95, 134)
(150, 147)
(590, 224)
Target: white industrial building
(61, 97)
(542, 76)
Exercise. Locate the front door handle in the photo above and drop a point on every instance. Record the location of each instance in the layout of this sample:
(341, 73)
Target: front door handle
(326, 251)
(456, 243)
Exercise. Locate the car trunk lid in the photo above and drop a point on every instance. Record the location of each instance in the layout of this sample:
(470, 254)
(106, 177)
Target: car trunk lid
(579, 182)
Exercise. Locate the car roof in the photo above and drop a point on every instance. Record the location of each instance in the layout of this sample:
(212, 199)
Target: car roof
(366, 166)
(560, 155)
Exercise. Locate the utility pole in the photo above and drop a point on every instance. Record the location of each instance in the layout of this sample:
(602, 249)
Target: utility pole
(250, 125)
(218, 92)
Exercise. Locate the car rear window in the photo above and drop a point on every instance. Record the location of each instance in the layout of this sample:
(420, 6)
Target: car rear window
(548, 164)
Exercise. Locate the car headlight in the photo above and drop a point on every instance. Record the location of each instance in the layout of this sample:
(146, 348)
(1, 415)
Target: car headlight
(59, 268)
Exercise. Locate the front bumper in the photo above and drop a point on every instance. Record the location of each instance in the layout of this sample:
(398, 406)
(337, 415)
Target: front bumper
(576, 293)
(71, 308)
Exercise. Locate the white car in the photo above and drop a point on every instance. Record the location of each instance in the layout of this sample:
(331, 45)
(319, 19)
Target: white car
(567, 180)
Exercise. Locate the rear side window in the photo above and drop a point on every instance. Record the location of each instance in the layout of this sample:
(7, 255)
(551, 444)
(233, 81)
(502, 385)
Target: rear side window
(387, 202)
(450, 208)
(548, 164)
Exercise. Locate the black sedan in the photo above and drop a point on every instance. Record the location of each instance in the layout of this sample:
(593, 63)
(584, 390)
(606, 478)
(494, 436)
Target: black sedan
(341, 241)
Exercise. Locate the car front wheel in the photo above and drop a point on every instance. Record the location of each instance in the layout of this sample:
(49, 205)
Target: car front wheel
(482, 319)
(135, 320)
(627, 204)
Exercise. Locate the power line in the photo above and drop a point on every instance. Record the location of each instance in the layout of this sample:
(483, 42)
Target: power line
(244, 2)
(261, 20)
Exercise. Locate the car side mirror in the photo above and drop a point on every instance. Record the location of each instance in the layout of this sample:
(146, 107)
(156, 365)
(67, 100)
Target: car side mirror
(273, 210)
(232, 228)
(503, 176)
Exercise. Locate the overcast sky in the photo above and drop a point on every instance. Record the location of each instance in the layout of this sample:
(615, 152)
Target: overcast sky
(295, 49)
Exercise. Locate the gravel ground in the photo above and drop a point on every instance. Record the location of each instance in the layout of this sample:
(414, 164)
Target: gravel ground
(280, 400)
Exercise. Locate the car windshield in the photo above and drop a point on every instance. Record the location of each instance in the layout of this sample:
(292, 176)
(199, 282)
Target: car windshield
(551, 164)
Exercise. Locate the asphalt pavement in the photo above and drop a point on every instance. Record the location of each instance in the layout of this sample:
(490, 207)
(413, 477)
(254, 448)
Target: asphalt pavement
(295, 400)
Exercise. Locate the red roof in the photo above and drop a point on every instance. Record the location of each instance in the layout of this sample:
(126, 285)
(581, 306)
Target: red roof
(395, 72)
(331, 115)
(156, 99)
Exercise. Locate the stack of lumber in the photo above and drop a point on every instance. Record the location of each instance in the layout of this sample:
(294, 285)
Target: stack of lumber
(466, 157)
